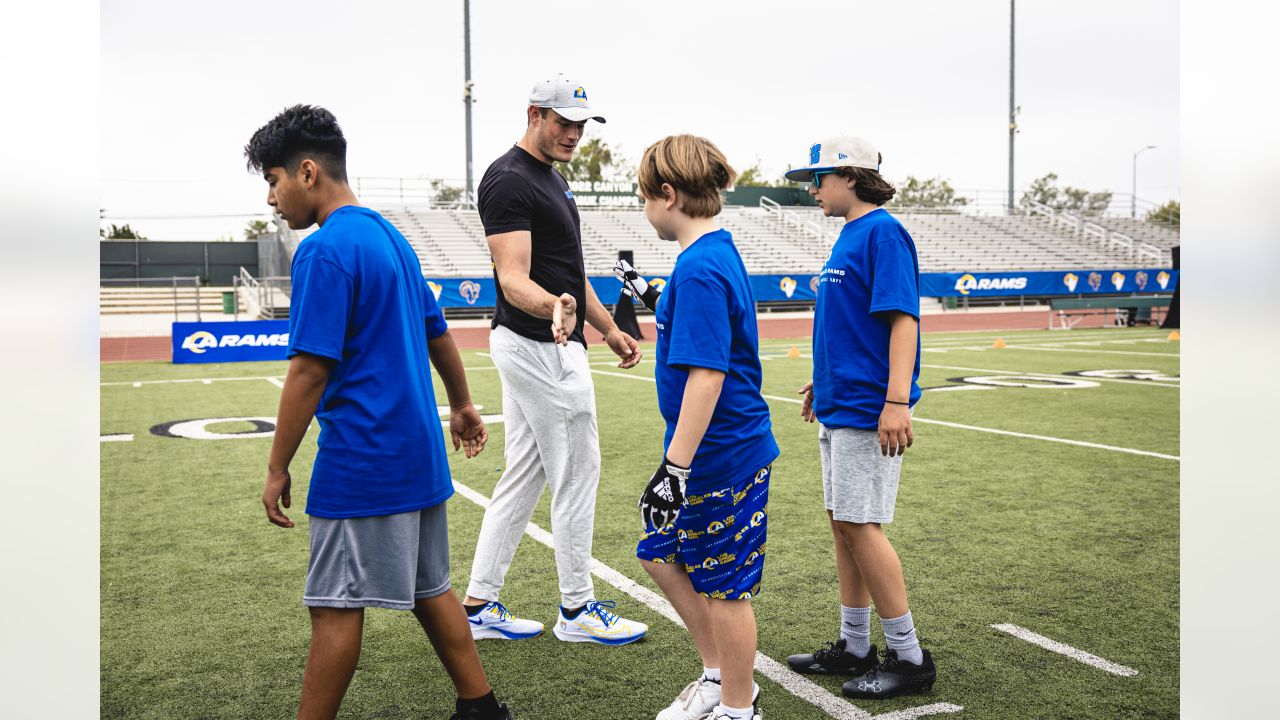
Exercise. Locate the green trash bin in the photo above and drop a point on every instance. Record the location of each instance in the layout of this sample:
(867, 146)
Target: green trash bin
(951, 302)
(228, 303)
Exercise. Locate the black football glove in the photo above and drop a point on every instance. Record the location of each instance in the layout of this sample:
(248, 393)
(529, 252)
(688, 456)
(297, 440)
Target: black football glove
(635, 286)
(664, 496)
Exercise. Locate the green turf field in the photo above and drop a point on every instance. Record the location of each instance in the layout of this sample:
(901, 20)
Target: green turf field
(201, 597)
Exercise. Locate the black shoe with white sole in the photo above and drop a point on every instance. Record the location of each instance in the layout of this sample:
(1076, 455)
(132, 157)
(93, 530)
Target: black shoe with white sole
(893, 677)
(833, 660)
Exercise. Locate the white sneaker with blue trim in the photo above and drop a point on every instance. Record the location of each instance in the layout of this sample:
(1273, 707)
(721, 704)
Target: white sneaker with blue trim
(596, 623)
(495, 622)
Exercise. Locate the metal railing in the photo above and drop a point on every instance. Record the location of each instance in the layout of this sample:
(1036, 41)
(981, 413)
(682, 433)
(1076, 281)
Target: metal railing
(266, 297)
(789, 221)
(175, 283)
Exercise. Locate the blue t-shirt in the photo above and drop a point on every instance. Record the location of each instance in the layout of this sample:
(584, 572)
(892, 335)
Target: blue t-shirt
(359, 298)
(872, 269)
(706, 317)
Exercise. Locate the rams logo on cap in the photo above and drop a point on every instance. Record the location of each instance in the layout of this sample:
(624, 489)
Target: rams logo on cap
(815, 151)
(580, 94)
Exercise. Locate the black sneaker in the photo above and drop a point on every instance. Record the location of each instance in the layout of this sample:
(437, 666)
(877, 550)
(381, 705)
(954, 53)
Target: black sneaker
(833, 660)
(893, 677)
(473, 714)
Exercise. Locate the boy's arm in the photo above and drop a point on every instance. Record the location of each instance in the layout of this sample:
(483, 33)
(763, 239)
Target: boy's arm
(701, 393)
(895, 420)
(664, 495)
(303, 387)
(622, 344)
(466, 429)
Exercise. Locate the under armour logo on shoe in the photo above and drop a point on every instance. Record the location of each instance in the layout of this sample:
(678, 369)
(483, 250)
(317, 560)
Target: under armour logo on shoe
(873, 686)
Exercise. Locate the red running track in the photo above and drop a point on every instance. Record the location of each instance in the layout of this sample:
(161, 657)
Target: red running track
(470, 338)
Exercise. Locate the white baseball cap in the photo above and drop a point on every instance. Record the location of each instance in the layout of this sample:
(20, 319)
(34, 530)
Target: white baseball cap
(566, 97)
(835, 153)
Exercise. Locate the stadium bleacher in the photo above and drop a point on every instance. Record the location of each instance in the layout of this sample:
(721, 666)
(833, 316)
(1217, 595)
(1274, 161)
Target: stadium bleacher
(451, 243)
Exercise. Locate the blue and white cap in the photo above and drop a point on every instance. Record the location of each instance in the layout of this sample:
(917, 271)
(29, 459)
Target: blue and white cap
(566, 97)
(835, 153)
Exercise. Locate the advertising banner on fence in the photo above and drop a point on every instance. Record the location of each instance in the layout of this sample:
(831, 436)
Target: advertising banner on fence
(211, 342)
(479, 292)
(1060, 282)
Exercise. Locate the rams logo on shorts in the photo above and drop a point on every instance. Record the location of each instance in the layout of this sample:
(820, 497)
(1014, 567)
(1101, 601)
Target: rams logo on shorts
(762, 476)
(682, 535)
(755, 555)
(757, 518)
(744, 596)
(718, 595)
(665, 529)
(715, 527)
(710, 563)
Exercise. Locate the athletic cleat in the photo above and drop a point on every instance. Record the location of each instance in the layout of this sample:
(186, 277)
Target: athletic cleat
(473, 714)
(833, 660)
(495, 622)
(697, 699)
(598, 625)
(893, 677)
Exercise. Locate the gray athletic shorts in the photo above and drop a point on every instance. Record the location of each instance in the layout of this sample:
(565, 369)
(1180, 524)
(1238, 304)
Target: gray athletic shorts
(386, 561)
(859, 485)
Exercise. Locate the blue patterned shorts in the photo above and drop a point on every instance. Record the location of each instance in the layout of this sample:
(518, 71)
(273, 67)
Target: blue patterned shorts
(719, 538)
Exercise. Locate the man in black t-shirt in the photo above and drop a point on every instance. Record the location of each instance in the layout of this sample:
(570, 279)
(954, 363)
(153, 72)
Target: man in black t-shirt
(548, 399)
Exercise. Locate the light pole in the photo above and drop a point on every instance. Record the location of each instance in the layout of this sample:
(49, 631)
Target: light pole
(466, 90)
(1133, 198)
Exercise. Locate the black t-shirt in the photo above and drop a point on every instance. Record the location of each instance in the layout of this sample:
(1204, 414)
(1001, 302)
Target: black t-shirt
(519, 192)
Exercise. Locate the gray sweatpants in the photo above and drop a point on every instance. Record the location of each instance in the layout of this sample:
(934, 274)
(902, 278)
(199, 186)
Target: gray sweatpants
(549, 416)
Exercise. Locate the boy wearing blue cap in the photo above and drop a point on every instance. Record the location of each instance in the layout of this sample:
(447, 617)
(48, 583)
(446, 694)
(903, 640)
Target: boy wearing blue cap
(866, 361)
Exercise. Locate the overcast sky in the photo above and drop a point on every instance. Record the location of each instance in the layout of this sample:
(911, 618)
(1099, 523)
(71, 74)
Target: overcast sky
(184, 86)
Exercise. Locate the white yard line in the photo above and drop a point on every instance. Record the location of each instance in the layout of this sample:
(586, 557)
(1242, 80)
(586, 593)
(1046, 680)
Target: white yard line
(798, 685)
(123, 437)
(277, 382)
(205, 381)
(1055, 646)
(1091, 378)
(1078, 443)
(1046, 348)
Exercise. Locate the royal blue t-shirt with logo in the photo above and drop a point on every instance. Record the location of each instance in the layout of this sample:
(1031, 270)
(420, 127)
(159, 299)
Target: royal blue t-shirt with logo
(359, 299)
(872, 269)
(706, 317)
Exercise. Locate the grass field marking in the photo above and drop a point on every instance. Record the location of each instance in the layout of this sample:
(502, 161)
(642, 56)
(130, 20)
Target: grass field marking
(915, 712)
(1065, 441)
(1054, 646)
(1048, 375)
(1046, 438)
(790, 681)
(206, 381)
(122, 437)
(277, 382)
(1046, 348)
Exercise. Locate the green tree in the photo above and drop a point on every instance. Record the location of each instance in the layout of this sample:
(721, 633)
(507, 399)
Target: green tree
(1045, 190)
(755, 176)
(256, 229)
(1169, 214)
(123, 232)
(594, 161)
(928, 193)
(444, 194)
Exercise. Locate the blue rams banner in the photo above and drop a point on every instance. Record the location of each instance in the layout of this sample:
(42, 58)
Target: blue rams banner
(1061, 282)
(480, 292)
(210, 342)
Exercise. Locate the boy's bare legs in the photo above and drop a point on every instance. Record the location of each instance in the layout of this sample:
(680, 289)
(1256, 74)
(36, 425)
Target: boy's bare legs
(673, 581)
(331, 660)
(878, 565)
(853, 589)
(733, 624)
(445, 622)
